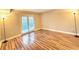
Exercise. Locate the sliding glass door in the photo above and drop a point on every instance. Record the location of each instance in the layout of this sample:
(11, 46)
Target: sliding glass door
(27, 24)
(31, 23)
(24, 24)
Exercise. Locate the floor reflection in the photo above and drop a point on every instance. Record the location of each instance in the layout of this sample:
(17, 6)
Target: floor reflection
(28, 38)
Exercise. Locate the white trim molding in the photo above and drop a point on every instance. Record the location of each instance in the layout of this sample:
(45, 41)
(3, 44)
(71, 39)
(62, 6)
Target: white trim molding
(37, 30)
(59, 31)
(14, 37)
(10, 38)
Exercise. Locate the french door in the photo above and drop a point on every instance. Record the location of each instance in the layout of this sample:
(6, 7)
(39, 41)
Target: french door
(27, 24)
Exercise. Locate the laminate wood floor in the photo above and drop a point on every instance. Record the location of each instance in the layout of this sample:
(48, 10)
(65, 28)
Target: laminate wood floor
(42, 40)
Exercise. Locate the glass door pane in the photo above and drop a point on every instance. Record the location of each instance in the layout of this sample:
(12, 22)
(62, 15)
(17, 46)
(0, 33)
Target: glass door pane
(31, 23)
(24, 24)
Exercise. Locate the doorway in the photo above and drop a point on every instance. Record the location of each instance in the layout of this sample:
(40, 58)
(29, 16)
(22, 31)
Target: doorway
(28, 24)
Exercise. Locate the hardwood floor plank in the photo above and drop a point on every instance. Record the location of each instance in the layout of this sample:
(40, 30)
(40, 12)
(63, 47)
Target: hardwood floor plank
(42, 40)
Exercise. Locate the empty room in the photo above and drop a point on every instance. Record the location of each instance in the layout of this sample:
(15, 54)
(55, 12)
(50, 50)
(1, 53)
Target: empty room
(39, 29)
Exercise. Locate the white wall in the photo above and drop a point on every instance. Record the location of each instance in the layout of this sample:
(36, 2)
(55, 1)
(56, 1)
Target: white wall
(59, 20)
(13, 23)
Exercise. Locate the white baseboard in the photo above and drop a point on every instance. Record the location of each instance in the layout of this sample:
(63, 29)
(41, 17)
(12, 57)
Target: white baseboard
(14, 37)
(10, 38)
(19, 35)
(37, 29)
(59, 31)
